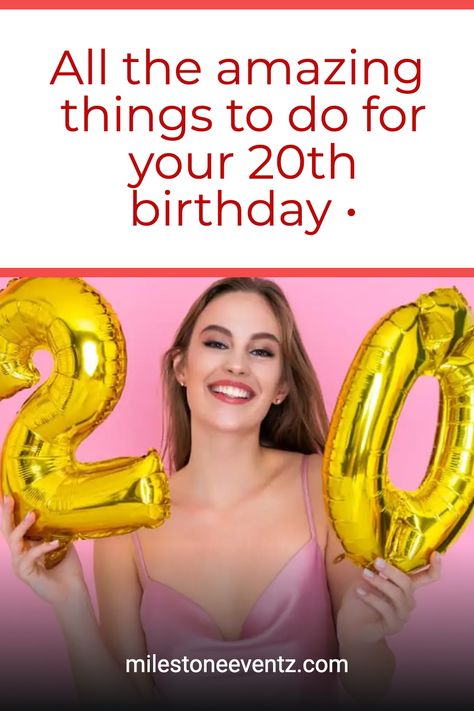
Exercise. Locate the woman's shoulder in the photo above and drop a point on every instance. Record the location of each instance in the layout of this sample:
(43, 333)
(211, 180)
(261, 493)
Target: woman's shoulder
(296, 460)
(291, 463)
(316, 497)
(315, 471)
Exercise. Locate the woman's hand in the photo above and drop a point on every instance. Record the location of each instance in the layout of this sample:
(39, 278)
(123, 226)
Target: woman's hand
(57, 585)
(382, 602)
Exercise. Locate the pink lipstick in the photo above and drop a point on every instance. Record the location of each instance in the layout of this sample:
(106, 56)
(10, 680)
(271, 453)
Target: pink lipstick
(232, 392)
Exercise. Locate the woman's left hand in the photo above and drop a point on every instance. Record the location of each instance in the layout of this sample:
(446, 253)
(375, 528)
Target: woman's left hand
(383, 601)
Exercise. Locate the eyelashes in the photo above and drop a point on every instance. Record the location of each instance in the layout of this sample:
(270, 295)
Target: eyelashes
(263, 353)
(215, 344)
(258, 352)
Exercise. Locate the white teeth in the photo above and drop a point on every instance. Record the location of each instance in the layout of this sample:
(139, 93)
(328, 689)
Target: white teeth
(231, 391)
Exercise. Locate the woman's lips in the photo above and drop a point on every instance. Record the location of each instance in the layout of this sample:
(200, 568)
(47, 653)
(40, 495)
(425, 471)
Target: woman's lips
(231, 392)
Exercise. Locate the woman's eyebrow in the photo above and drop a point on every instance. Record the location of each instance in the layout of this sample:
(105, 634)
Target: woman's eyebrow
(264, 334)
(253, 337)
(215, 327)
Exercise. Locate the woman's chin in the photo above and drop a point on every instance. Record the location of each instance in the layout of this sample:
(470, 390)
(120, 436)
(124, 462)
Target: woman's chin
(228, 424)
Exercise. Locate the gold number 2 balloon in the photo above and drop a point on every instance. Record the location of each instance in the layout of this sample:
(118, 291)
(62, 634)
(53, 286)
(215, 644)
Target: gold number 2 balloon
(434, 336)
(39, 468)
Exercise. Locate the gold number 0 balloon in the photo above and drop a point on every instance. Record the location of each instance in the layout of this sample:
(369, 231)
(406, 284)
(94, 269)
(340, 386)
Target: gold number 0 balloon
(39, 468)
(433, 336)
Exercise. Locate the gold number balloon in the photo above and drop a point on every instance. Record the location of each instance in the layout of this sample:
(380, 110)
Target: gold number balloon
(434, 336)
(39, 467)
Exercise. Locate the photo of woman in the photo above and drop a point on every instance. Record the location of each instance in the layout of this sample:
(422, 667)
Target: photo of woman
(248, 567)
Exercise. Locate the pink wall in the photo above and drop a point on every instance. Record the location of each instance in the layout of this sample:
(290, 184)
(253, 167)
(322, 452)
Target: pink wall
(333, 314)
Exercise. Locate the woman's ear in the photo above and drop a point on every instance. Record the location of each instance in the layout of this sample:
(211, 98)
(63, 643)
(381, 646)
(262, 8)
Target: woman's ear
(281, 394)
(179, 368)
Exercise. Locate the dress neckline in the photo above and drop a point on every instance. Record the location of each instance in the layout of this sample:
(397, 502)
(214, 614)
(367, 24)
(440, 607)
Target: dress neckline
(275, 578)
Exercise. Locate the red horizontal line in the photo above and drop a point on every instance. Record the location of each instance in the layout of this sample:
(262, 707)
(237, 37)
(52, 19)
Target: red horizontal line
(253, 271)
(236, 5)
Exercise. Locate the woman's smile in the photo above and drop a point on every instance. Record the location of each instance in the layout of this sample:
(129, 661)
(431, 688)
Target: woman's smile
(234, 358)
(232, 392)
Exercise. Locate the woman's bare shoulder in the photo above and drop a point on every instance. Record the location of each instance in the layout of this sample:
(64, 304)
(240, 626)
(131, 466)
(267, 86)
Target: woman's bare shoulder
(315, 472)
(296, 459)
(316, 490)
(282, 458)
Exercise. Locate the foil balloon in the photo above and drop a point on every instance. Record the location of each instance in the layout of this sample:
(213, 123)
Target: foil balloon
(39, 468)
(433, 336)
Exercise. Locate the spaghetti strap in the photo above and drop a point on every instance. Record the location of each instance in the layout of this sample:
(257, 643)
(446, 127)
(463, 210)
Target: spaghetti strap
(307, 497)
(141, 567)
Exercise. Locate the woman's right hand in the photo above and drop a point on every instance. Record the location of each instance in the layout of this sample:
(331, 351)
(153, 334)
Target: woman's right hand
(58, 585)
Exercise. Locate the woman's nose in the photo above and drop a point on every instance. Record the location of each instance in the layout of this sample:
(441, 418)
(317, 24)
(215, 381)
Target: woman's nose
(237, 364)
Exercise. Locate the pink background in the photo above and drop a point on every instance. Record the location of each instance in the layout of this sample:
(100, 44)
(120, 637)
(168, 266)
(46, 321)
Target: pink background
(334, 314)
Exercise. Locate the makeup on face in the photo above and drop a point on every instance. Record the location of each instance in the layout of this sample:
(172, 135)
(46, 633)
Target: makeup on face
(234, 392)
(234, 358)
(261, 346)
(271, 347)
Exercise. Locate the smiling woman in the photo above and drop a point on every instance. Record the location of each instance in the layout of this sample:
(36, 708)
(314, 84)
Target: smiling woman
(273, 347)
(244, 569)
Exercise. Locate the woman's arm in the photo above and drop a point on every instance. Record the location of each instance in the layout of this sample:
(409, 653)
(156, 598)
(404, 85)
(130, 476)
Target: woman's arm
(95, 656)
(98, 650)
(371, 662)
(97, 674)
(367, 605)
(119, 595)
(371, 605)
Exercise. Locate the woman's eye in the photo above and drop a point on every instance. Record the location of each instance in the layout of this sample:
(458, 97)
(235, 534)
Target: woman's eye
(262, 353)
(215, 344)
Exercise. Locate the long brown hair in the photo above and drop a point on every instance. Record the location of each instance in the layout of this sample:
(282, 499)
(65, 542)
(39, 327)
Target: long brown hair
(298, 424)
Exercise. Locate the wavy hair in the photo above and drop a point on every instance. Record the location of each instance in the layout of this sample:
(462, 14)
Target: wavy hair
(298, 424)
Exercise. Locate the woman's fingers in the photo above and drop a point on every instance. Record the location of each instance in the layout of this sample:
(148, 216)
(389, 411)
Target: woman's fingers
(402, 580)
(391, 623)
(395, 585)
(402, 602)
(393, 591)
(16, 538)
(14, 534)
(27, 563)
(8, 523)
(431, 575)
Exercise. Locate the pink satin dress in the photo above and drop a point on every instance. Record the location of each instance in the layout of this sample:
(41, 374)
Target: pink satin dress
(292, 619)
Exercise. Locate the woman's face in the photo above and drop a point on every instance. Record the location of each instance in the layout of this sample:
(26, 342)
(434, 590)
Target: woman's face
(233, 367)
